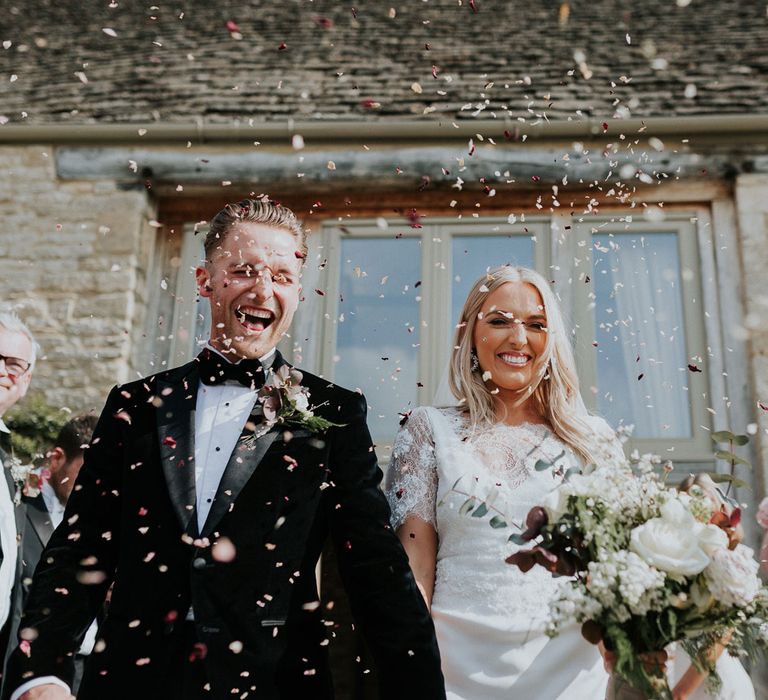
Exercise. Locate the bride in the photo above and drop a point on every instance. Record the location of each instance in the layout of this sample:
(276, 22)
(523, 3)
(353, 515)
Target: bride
(459, 474)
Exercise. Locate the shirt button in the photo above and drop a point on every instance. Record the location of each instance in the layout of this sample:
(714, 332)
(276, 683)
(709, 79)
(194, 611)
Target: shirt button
(208, 500)
(218, 449)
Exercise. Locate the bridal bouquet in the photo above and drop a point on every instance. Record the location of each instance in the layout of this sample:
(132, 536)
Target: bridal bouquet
(649, 565)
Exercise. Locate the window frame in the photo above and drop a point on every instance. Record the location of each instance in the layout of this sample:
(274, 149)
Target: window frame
(697, 448)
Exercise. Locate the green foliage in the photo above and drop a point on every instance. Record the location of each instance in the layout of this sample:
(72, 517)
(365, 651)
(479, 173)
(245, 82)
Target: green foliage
(34, 425)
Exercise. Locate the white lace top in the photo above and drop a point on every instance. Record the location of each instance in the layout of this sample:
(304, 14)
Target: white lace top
(439, 463)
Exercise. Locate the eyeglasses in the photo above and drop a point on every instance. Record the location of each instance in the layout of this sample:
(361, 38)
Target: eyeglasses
(14, 366)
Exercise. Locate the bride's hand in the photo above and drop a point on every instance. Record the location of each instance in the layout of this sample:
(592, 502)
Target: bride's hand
(609, 657)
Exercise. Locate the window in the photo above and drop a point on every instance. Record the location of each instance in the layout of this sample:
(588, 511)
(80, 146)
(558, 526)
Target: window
(393, 294)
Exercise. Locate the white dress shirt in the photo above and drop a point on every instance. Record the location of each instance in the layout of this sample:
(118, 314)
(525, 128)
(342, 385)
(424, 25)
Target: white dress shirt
(8, 542)
(220, 414)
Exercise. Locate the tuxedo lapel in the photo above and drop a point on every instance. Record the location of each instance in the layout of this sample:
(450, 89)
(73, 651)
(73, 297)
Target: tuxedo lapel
(40, 519)
(176, 432)
(243, 461)
(18, 510)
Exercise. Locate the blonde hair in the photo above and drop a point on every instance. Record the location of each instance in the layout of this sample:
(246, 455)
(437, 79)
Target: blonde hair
(555, 390)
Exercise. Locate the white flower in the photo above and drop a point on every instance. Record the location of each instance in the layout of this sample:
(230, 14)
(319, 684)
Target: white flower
(639, 584)
(711, 538)
(671, 542)
(302, 403)
(701, 597)
(732, 575)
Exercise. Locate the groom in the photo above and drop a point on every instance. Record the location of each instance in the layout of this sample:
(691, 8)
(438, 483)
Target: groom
(208, 517)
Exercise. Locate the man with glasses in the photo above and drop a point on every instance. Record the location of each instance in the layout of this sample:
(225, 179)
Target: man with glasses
(17, 359)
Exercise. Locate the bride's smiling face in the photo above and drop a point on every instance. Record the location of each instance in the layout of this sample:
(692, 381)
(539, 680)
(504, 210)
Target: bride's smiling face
(510, 335)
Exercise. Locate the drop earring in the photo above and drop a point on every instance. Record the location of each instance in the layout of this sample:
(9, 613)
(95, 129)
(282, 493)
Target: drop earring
(475, 363)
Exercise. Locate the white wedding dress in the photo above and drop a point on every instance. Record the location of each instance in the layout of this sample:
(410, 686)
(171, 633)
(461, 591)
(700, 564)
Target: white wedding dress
(489, 616)
(736, 683)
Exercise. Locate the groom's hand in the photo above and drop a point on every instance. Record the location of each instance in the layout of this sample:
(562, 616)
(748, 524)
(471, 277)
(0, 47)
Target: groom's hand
(47, 691)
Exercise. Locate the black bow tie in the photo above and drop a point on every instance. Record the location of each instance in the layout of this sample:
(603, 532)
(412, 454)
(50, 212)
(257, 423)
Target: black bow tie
(214, 369)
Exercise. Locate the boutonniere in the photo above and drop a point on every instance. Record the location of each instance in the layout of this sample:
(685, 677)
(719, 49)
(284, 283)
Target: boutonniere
(28, 478)
(284, 401)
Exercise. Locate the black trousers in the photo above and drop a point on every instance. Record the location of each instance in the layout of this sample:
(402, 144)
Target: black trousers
(188, 668)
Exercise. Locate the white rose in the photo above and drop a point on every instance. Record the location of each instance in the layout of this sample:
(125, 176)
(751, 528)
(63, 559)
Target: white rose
(732, 575)
(302, 403)
(671, 542)
(711, 538)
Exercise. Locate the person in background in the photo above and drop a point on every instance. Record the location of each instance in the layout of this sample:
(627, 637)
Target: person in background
(45, 511)
(762, 519)
(18, 351)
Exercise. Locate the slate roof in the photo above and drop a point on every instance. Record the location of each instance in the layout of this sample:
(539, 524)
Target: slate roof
(122, 61)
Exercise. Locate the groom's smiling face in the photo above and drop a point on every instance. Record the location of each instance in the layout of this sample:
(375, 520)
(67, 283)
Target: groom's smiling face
(252, 281)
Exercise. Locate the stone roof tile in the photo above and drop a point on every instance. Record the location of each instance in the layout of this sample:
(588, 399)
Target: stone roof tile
(136, 62)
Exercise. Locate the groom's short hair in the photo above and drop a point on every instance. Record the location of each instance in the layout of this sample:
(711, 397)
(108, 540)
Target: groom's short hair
(253, 211)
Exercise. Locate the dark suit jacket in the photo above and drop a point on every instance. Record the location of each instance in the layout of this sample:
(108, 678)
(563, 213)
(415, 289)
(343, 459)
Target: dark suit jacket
(8, 630)
(37, 532)
(131, 518)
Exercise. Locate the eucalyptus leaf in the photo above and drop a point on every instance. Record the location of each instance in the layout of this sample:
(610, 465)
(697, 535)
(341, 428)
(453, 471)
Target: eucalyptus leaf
(570, 472)
(729, 478)
(740, 440)
(542, 465)
(723, 436)
(730, 457)
(497, 522)
(480, 511)
(517, 538)
(467, 506)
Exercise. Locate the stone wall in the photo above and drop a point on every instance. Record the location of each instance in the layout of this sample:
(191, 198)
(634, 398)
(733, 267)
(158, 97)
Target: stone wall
(752, 210)
(72, 254)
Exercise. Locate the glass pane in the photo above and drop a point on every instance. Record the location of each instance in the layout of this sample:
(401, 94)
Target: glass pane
(473, 255)
(641, 366)
(378, 327)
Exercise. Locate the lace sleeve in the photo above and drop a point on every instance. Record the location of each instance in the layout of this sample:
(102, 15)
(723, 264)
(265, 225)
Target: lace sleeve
(412, 475)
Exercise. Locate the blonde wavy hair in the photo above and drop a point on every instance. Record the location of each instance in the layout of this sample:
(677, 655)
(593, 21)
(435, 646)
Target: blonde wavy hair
(555, 389)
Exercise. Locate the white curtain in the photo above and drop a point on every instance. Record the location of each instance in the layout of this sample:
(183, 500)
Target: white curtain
(646, 282)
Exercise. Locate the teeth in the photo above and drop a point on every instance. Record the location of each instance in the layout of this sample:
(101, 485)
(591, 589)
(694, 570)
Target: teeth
(255, 313)
(514, 359)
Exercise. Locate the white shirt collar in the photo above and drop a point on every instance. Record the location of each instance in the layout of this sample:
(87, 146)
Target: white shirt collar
(52, 502)
(3, 427)
(210, 347)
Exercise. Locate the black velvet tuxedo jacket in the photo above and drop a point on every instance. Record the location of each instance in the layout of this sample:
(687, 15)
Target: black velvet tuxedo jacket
(131, 519)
